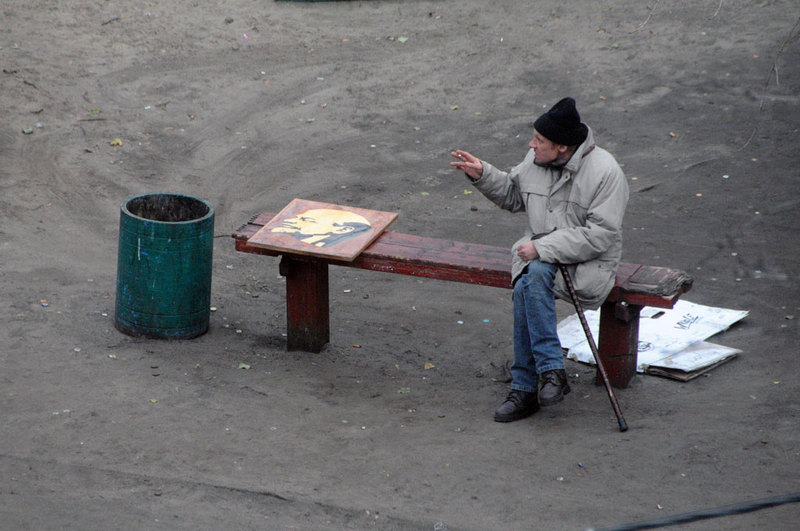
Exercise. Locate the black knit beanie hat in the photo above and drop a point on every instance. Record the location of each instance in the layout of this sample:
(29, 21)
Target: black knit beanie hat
(562, 124)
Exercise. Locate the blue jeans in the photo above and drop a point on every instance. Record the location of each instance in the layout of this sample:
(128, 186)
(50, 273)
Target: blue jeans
(536, 345)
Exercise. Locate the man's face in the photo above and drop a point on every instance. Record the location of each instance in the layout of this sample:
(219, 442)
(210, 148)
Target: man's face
(314, 222)
(546, 152)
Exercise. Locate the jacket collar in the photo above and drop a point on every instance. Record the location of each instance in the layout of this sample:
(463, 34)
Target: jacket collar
(574, 163)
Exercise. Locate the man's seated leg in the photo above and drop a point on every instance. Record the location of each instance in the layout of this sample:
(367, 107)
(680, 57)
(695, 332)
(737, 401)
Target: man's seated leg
(533, 301)
(536, 287)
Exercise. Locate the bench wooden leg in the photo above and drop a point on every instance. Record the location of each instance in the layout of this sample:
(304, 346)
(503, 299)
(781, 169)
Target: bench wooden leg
(307, 304)
(618, 344)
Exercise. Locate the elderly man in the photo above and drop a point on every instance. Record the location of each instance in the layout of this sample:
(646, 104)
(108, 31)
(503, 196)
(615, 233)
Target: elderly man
(574, 194)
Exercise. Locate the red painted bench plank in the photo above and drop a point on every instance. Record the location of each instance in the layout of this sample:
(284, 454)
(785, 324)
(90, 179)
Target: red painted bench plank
(487, 265)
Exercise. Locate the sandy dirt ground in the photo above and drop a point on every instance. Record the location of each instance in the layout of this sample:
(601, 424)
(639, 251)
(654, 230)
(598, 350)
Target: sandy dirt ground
(249, 104)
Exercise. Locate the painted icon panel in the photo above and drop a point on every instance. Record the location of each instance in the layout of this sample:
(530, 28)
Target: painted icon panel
(322, 229)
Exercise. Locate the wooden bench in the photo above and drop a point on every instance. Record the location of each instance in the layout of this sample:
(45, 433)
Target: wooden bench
(307, 296)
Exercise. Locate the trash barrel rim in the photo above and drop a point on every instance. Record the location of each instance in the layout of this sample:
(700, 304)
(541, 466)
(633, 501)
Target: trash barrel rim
(208, 214)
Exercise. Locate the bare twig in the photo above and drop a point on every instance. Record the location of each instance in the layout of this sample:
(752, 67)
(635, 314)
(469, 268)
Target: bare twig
(774, 68)
(749, 139)
(640, 26)
(775, 62)
(718, 8)
(698, 163)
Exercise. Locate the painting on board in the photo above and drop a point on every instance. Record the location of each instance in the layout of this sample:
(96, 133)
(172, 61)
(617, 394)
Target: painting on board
(322, 229)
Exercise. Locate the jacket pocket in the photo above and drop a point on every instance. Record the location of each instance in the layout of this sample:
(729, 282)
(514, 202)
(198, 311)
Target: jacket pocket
(594, 279)
(534, 195)
(576, 214)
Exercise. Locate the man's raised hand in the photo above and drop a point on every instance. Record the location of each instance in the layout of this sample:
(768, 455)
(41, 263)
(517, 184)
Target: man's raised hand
(467, 163)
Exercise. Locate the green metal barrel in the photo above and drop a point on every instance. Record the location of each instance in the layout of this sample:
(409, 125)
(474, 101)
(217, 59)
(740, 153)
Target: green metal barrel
(164, 266)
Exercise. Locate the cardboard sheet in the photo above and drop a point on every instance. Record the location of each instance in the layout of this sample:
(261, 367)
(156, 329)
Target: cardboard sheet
(671, 342)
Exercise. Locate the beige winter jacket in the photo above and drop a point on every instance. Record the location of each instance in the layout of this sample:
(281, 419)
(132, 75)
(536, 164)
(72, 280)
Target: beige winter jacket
(574, 214)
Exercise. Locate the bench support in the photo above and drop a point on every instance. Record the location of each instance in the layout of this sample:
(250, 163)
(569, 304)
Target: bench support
(619, 342)
(307, 304)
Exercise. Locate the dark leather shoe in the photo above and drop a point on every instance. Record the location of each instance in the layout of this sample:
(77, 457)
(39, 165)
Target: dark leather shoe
(553, 386)
(518, 405)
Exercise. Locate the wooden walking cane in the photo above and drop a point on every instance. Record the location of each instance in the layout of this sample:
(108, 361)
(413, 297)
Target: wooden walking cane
(623, 426)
